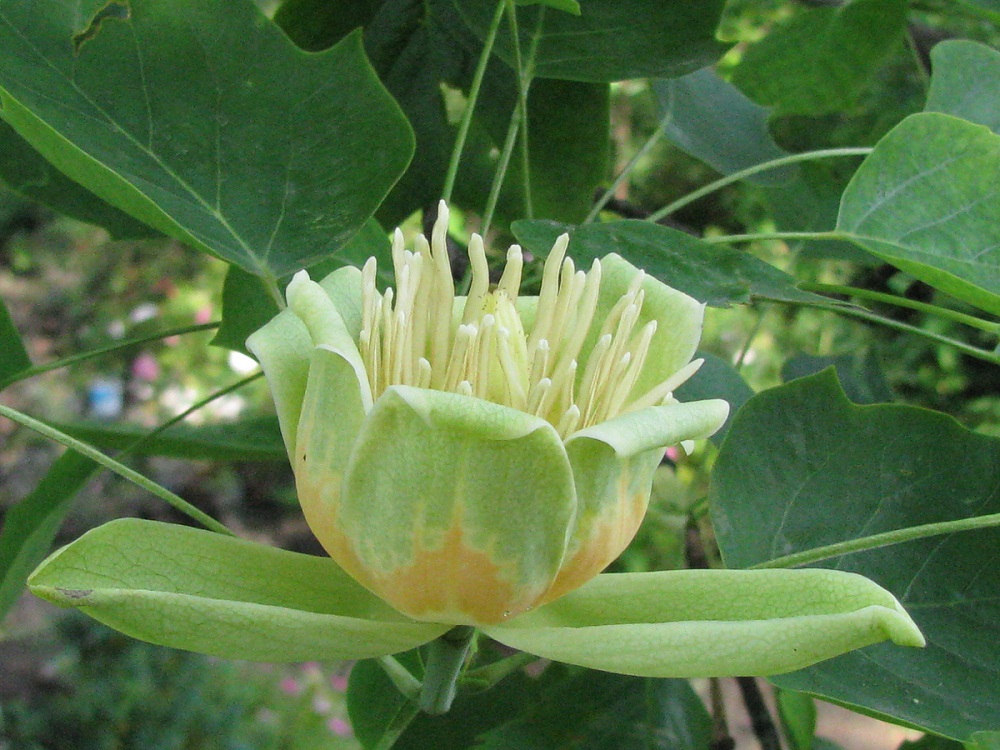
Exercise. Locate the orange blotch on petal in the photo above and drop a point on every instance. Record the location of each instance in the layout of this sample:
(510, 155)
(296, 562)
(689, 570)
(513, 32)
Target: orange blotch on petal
(608, 536)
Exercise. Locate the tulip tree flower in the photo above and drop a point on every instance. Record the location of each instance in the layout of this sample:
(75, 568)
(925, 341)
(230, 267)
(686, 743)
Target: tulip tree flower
(475, 463)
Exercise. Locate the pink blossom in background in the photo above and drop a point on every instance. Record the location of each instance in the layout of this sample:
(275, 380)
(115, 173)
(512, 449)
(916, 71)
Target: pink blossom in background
(145, 367)
(291, 686)
(340, 727)
(339, 683)
(204, 315)
(673, 453)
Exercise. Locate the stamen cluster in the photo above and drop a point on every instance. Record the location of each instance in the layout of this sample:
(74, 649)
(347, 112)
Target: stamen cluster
(417, 336)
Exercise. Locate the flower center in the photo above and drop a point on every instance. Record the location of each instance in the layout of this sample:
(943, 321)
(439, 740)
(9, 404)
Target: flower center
(418, 336)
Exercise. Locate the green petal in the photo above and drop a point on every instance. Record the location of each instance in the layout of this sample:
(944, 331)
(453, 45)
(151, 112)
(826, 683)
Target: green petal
(455, 509)
(655, 427)
(712, 623)
(192, 589)
(284, 348)
(679, 321)
(613, 465)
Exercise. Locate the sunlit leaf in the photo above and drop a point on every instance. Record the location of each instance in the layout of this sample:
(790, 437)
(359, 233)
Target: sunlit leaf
(15, 358)
(206, 122)
(925, 200)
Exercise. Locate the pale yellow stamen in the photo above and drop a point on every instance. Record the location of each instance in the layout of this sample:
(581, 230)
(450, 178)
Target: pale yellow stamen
(415, 335)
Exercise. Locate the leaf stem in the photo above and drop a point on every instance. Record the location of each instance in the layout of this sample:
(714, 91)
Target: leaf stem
(524, 77)
(885, 539)
(93, 353)
(117, 467)
(405, 683)
(486, 677)
(861, 313)
(626, 172)
(750, 171)
(470, 106)
(892, 299)
(445, 659)
(403, 718)
(729, 238)
(523, 82)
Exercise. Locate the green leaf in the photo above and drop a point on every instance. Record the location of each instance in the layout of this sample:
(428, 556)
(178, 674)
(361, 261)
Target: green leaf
(860, 373)
(15, 357)
(610, 40)
(27, 172)
(966, 82)
(251, 154)
(716, 275)
(822, 59)
(716, 379)
(372, 701)
(568, 146)
(798, 718)
(246, 304)
(802, 468)
(31, 525)
(569, 6)
(200, 591)
(712, 120)
(601, 711)
(255, 439)
(925, 201)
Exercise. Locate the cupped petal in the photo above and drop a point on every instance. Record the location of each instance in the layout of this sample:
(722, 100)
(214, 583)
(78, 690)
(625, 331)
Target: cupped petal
(454, 509)
(283, 347)
(712, 623)
(613, 465)
(679, 321)
(201, 591)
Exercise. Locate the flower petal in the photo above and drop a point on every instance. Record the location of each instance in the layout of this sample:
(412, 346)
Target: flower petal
(678, 316)
(283, 347)
(193, 589)
(705, 623)
(454, 509)
(613, 465)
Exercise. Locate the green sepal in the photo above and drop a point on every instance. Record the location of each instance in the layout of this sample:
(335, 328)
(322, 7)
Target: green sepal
(433, 472)
(200, 591)
(284, 348)
(705, 623)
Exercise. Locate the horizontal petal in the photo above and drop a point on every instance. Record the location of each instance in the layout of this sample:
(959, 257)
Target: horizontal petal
(283, 347)
(193, 589)
(657, 426)
(705, 623)
(455, 509)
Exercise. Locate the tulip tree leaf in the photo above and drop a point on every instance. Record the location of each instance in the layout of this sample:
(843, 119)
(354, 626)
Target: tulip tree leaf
(256, 439)
(28, 173)
(197, 590)
(246, 304)
(610, 40)
(717, 275)
(251, 154)
(966, 82)
(31, 525)
(802, 468)
(925, 200)
(15, 357)
(820, 60)
(613, 711)
(712, 120)
(860, 373)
